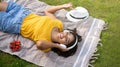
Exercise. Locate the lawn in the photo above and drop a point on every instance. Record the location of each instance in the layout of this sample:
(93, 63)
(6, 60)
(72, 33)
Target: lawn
(108, 10)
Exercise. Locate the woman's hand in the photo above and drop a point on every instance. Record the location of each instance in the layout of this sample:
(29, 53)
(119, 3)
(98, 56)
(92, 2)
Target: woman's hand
(68, 5)
(50, 11)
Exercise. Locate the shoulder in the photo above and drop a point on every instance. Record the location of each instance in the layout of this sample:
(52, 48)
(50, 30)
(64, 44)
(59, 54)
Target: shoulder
(59, 24)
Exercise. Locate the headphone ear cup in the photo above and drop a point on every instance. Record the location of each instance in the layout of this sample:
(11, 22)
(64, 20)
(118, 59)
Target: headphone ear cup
(66, 31)
(62, 45)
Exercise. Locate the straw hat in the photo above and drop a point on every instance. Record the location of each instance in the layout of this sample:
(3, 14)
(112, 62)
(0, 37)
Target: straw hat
(77, 14)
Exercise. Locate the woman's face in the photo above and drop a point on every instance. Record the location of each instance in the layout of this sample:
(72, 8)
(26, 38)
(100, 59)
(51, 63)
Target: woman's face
(65, 38)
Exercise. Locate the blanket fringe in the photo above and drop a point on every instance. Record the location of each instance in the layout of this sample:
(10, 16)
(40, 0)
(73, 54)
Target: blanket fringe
(105, 27)
(95, 55)
(90, 65)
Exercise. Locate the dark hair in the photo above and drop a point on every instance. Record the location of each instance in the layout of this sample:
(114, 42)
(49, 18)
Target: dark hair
(71, 51)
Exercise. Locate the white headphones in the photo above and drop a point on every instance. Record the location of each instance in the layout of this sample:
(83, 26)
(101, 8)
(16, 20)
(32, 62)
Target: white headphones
(64, 46)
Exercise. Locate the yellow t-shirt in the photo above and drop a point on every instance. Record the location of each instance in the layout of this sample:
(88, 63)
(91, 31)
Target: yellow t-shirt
(37, 27)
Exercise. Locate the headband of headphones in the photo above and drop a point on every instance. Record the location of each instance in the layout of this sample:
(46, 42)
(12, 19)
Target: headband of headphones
(74, 43)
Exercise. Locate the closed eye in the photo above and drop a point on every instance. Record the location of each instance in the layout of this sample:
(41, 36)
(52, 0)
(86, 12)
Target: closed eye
(67, 38)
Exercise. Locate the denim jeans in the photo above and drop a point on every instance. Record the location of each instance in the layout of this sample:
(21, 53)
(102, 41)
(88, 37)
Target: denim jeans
(12, 18)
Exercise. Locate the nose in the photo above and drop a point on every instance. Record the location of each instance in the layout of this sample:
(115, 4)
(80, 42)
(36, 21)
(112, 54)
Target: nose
(65, 34)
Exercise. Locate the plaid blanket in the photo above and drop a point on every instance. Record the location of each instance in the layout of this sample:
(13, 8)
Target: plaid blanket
(90, 30)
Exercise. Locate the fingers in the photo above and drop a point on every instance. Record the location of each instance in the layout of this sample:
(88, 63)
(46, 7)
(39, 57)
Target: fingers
(71, 5)
(67, 5)
(64, 50)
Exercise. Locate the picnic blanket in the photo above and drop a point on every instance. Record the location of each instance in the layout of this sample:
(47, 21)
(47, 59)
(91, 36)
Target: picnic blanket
(90, 30)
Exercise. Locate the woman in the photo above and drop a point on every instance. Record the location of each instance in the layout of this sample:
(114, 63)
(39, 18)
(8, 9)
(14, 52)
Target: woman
(45, 31)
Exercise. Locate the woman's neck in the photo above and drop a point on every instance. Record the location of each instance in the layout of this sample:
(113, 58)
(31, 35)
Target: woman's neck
(54, 32)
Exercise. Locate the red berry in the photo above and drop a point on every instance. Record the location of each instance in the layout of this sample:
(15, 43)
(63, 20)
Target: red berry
(15, 45)
(13, 50)
(11, 46)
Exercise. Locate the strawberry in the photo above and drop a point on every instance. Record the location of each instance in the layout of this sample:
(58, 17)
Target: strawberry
(17, 42)
(15, 45)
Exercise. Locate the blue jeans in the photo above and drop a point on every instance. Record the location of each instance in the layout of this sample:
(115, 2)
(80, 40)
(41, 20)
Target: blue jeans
(12, 18)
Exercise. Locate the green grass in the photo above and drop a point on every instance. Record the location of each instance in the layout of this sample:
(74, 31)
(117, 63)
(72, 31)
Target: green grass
(7, 60)
(108, 10)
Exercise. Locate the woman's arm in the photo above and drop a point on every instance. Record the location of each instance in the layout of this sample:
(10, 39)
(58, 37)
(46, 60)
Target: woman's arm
(50, 11)
(43, 44)
(3, 6)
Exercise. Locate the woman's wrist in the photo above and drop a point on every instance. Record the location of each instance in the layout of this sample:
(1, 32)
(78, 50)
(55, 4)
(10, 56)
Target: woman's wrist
(62, 7)
(55, 45)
